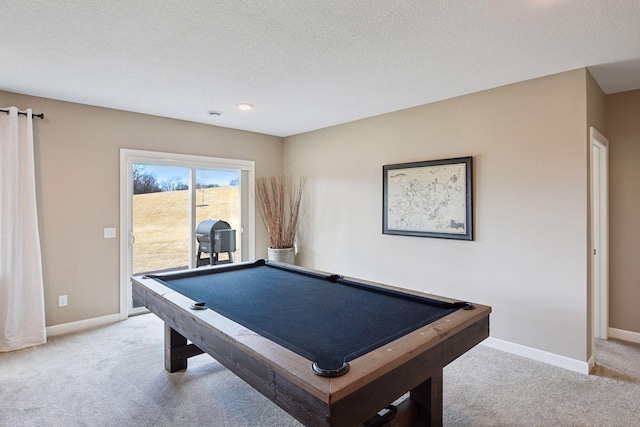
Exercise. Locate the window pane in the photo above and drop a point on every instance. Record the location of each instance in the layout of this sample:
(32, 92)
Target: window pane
(218, 198)
(160, 218)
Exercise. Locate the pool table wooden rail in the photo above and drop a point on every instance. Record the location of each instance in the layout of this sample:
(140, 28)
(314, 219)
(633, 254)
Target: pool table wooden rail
(413, 362)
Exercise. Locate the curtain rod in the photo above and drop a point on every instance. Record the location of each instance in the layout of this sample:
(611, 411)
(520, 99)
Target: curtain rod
(24, 113)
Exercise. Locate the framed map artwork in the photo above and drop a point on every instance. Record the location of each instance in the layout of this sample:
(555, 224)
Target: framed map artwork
(429, 199)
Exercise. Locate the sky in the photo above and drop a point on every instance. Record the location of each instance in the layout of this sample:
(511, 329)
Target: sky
(165, 173)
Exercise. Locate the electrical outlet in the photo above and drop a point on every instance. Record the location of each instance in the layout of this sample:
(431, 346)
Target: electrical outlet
(62, 301)
(109, 233)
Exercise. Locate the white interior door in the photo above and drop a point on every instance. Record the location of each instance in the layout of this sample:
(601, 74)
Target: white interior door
(600, 233)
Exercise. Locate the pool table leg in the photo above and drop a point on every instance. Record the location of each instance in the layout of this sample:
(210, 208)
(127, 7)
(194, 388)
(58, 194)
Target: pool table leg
(176, 350)
(428, 396)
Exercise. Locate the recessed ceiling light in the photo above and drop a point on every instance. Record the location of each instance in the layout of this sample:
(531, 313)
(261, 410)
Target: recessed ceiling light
(244, 106)
(214, 112)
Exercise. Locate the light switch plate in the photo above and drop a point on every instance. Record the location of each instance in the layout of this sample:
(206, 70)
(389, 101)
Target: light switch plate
(109, 233)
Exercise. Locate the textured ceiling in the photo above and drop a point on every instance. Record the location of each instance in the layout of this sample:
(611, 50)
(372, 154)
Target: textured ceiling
(306, 64)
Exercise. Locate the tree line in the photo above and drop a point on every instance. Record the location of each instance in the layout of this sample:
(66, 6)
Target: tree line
(145, 182)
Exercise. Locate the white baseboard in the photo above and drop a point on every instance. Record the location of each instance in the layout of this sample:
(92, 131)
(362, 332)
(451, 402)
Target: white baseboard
(81, 325)
(539, 355)
(621, 334)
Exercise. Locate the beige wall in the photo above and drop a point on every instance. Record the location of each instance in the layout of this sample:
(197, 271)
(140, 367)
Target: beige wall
(623, 132)
(530, 148)
(77, 174)
(529, 257)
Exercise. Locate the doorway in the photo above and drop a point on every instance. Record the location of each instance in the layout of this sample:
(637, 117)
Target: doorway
(164, 197)
(600, 233)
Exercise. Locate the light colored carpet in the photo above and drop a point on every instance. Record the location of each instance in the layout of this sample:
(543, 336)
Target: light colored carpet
(487, 387)
(114, 376)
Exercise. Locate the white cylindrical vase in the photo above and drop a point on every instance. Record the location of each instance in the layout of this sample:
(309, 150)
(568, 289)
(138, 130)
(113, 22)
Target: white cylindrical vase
(287, 255)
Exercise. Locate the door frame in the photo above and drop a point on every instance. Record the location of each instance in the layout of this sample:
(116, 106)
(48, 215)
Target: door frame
(599, 167)
(128, 157)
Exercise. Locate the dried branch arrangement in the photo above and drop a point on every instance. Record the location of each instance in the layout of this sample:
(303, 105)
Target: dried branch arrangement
(279, 205)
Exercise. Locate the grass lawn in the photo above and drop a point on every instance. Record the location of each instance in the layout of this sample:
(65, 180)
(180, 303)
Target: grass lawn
(161, 225)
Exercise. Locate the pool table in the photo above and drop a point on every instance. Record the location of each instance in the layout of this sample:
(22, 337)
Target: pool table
(330, 350)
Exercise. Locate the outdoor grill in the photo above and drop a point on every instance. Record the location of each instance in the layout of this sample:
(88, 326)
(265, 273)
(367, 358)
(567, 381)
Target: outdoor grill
(215, 237)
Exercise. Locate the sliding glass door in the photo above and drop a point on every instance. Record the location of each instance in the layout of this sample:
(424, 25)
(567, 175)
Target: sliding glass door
(160, 227)
(164, 199)
(218, 198)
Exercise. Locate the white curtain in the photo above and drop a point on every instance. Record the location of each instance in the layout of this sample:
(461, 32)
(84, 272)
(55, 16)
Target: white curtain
(22, 321)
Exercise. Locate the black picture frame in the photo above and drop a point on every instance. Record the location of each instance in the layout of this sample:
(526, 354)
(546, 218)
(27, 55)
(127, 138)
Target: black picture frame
(429, 198)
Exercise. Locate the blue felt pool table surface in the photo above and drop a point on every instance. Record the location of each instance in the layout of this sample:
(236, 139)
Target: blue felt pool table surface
(324, 318)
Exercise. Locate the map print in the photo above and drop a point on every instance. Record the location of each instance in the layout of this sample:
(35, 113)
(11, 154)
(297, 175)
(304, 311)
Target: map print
(427, 199)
